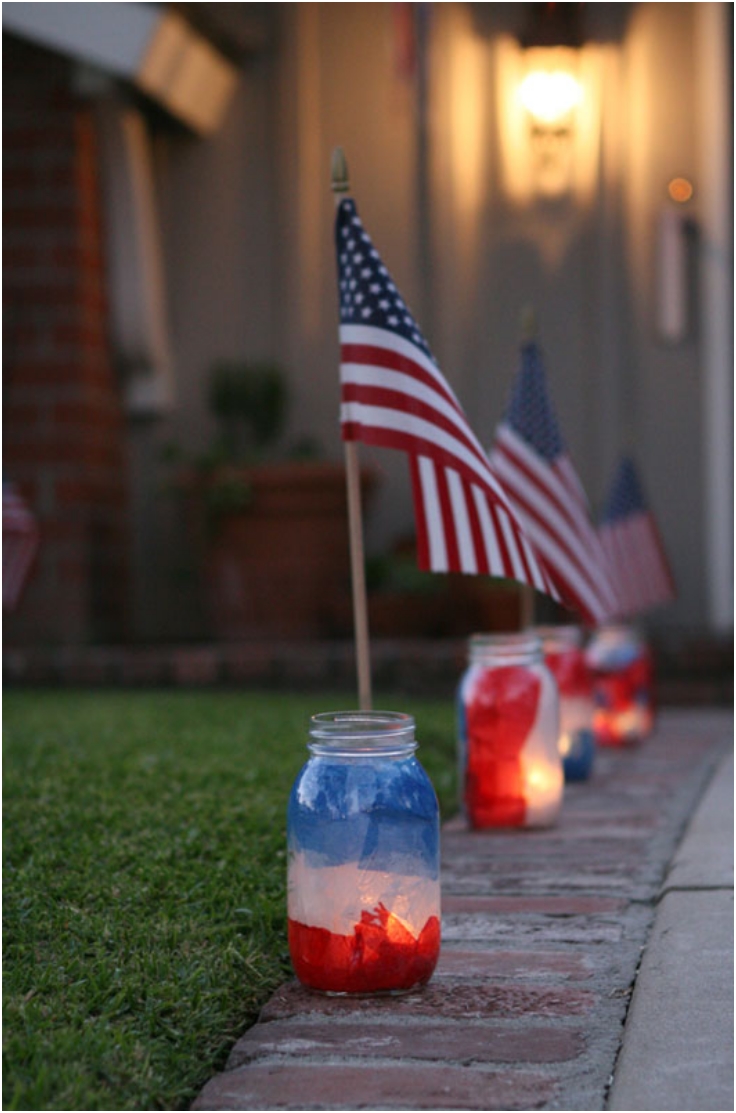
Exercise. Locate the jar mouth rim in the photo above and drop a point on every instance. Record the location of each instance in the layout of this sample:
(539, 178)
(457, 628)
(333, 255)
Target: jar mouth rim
(360, 724)
(362, 731)
(512, 637)
(513, 642)
(568, 633)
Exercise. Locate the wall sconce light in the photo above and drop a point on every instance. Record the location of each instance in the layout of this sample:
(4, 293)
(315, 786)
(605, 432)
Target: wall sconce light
(549, 99)
(551, 92)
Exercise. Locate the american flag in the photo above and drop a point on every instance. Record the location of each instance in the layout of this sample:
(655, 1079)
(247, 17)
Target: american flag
(632, 544)
(20, 542)
(530, 459)
(394, 395)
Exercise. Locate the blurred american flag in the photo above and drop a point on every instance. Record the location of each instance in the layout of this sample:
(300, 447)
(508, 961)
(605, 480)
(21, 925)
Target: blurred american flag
(531, 461)
(632, 544)
(394, 395)
(20, 543)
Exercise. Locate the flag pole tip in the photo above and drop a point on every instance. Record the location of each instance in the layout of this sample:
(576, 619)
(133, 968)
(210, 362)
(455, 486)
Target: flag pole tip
(339, 175)
(528, 324)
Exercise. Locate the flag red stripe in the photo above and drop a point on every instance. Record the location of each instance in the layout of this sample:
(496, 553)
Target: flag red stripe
(501, 540)
(448, 522)
(585, 572)
(419, 514)
(481, 557)
(405, 403)
(573, 536)
(542, 483)
(420, 446)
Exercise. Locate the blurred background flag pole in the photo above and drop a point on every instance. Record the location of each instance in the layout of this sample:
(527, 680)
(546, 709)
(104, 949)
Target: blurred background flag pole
(340, 187)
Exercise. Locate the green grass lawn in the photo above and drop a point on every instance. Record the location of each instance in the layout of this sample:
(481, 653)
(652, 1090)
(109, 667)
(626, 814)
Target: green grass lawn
(144, 883)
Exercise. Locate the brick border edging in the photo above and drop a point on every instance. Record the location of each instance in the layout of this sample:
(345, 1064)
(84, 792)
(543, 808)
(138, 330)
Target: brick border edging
(542, 936)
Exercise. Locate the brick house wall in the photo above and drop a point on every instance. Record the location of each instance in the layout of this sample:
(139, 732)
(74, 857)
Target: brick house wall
(63, 424)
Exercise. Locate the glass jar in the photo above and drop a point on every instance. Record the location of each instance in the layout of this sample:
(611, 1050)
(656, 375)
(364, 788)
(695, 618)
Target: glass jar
(623, 686)
(564, 656)
(363, 846)
(508, 711)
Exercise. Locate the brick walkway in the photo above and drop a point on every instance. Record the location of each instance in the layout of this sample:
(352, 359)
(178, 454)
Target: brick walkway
(542, 936)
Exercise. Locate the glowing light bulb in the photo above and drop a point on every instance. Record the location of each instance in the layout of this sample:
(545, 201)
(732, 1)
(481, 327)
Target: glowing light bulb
(549, 95)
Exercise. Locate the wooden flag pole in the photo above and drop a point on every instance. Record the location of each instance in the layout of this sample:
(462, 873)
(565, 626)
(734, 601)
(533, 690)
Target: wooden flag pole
(340, 186)
(528, 329)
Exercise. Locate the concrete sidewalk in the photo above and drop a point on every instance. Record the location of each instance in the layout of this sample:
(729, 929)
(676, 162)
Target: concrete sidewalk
(543, 933)
(677, 1050)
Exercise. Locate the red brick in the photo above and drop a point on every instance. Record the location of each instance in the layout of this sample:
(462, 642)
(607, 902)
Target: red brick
(446, 998)
(485, 964)
(323, 1086)
(71, 570)
(547, 906)
(33, 217)
(91, 337)
(458, 1042)
(68, 491)
(195, 666)
(59, 530)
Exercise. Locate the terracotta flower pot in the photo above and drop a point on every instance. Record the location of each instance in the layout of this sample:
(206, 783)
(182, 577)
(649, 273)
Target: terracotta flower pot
(280, 566)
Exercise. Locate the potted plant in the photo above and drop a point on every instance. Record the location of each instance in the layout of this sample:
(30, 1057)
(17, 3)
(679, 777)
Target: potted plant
(275, 558)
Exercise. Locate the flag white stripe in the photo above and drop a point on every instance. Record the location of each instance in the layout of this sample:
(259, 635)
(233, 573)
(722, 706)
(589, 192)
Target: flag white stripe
(546, 479)
(570, 572)
(361, 375)
(572, 482)
(637, 562)
(404, 376)
(391, 342)
(508, 536)
(438, 560)
(631, 539)
(626, 577)
(368, 336)
(381, 417)
(568, 528)
(493, 552)
(538, 582)
(463, 532)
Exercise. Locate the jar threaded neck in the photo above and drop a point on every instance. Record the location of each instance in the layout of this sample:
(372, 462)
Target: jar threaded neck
(515, 648)
(362, 733)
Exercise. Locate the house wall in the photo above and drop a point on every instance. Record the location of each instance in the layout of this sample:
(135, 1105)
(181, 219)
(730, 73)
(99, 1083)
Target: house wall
(426, 169)
(246, 223)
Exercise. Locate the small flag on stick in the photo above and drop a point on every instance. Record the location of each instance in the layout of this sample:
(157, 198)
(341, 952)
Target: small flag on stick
(530, 459)
(20, 542)
(632, 544)
(394, 395)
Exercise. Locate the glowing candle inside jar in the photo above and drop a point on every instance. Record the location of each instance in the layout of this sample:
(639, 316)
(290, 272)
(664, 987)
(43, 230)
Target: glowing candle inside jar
(623, 686)
(508, 717)
(363, 869)
(544, 785)
(544, 779)
(565, 659)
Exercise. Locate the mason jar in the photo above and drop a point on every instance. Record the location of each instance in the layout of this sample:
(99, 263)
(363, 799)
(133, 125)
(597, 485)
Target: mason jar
(565, 658)
(623, 685)
(363, 858)
(508, 711)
